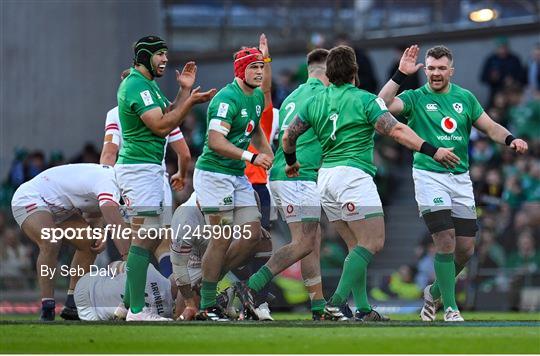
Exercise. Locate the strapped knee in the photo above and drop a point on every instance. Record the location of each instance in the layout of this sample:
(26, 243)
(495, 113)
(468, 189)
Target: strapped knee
(438, 221)
(465, 227)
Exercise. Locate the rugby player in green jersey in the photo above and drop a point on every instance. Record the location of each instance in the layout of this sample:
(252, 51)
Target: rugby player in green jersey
(298, 198)
(147, 117)
(344, 119)
(442, 113)
(225, 195)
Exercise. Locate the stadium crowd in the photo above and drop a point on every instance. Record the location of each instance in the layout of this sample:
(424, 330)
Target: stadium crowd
(506, 186)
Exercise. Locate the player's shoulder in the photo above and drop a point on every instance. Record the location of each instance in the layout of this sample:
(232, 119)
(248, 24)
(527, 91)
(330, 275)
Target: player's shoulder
(227, 94)
(461, 91)
(113, 115)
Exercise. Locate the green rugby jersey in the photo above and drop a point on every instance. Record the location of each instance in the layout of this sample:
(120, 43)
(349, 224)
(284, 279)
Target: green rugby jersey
(135, 96)
(243, 113)
(343, 119)
(442, 119)
(308, 148)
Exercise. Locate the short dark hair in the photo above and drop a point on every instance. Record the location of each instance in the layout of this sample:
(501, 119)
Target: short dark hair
(318, 55)
(341, 67)
(438, 52)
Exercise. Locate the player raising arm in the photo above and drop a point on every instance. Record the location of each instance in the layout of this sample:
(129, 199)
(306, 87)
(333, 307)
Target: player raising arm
(344, 118)
(443, 113)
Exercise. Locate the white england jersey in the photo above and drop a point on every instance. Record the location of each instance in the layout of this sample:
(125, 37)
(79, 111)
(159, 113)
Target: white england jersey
(81, 188)
(98, 296)
(114, 128)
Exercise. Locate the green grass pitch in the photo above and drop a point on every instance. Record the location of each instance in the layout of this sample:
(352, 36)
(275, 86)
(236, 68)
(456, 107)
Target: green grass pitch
(290, 333)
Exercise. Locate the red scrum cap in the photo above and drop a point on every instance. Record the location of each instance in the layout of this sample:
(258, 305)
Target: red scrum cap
(243, 58)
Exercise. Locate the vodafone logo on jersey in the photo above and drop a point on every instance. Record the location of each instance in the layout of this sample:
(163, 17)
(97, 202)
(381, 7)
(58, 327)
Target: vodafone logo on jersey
(448, 124)
(249, 128)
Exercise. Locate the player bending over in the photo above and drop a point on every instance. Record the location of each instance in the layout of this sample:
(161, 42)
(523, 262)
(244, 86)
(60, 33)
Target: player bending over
(57, 198)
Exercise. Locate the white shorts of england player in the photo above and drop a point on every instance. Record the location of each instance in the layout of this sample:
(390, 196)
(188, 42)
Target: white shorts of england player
(444, 191)
(81, 294)
(195, 275)
(166, 217)
(27, 200)
(297, 200)
(224, 192)
(141, 186)
(348, 194)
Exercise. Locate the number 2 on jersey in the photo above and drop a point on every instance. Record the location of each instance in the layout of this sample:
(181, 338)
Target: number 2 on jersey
(290, 109)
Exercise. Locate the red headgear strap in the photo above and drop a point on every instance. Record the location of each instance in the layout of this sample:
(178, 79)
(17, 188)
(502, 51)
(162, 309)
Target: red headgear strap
(243, 58)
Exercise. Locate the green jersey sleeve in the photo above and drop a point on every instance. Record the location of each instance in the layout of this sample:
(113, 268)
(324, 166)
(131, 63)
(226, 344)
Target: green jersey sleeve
(476, 108)
(407, 97)
(223, 107)
(375, 108)
(303, 112)
(141, 97)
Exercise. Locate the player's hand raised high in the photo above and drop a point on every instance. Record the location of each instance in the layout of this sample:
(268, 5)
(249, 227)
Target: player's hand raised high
(407, 64)
(446, 157)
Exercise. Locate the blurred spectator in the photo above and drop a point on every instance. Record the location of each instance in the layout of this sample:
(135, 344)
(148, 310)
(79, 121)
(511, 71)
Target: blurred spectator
(490, 253)
(399, 285)
(15, 263)
(366, 74)
(502, 68)
(89, 154)
(482, 151)
(412, 81)
(523, 116)
(425, 267)
(57, 159)
(533, 72)
(526, 262)
(283, 87)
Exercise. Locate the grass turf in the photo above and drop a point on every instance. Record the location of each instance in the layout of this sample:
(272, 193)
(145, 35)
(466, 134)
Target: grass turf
(291, 333)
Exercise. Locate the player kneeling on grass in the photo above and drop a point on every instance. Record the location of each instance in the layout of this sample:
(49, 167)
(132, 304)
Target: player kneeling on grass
(190, 241)
(443, 113)
(54, 199)
(344, 119)
(98, 296)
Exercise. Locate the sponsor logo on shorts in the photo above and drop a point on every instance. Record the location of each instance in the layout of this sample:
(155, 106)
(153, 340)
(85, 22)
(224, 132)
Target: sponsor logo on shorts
(351, 209)
(290, 209)
(249, 128)
(431, 107)
(438, 201)
(448, 124)
(227, 200)
(458, 107)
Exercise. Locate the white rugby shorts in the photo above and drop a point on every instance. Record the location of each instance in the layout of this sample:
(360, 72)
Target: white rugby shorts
(297, 200)
(348, 194)
(444, 191)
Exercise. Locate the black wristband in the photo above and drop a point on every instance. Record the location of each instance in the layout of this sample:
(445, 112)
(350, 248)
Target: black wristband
(508, 140)
(399, 77)
(428, 149)
(290, 158)
(253, 158)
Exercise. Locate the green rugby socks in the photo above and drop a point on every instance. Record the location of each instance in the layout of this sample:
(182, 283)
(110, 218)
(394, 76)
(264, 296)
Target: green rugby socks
(137, 267)
(445, 272)
(260, 279)
(354, 277)
(208, 294)
(435, 290)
